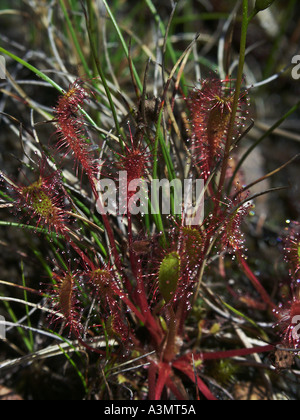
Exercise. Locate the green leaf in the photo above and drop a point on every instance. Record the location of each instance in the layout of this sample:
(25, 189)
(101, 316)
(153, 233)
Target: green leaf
(169, 273)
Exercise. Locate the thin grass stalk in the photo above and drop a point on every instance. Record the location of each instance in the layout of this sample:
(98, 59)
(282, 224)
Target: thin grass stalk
(75, 39)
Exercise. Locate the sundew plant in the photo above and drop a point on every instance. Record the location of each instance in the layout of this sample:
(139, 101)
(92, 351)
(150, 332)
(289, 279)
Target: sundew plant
(137, 261)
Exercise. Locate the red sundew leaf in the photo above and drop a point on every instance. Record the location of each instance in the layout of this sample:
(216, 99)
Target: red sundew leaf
(70, 128)
(43, 200)
(152, 370)
(228, 354)
(255, 281)
(135, 161)
(66, 295)
(232, 236)
(211, 108)
(69, 102)
(292, 249)
(64, 300)
(288, 316)
(169, 274)
(72, 138)
(116, 326)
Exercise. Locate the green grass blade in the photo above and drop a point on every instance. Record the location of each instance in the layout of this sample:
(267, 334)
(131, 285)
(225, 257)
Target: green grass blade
(72, 363)
(126, 50)
(75, 40)
(39, 73)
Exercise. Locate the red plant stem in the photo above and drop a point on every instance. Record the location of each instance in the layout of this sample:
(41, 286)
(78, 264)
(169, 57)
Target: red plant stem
(146, 319)
(185, 363)
(79, 252)
(227, 354)
(152, 370)
(164, 373)
(129, 304)
(130, 242)
(170, 346)
(91, 349)
(140, 290)
(188, 371)
(108, 228)
(111, 237)
(235, 353)
(141, 293)
(150, 321)
(254, 280)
